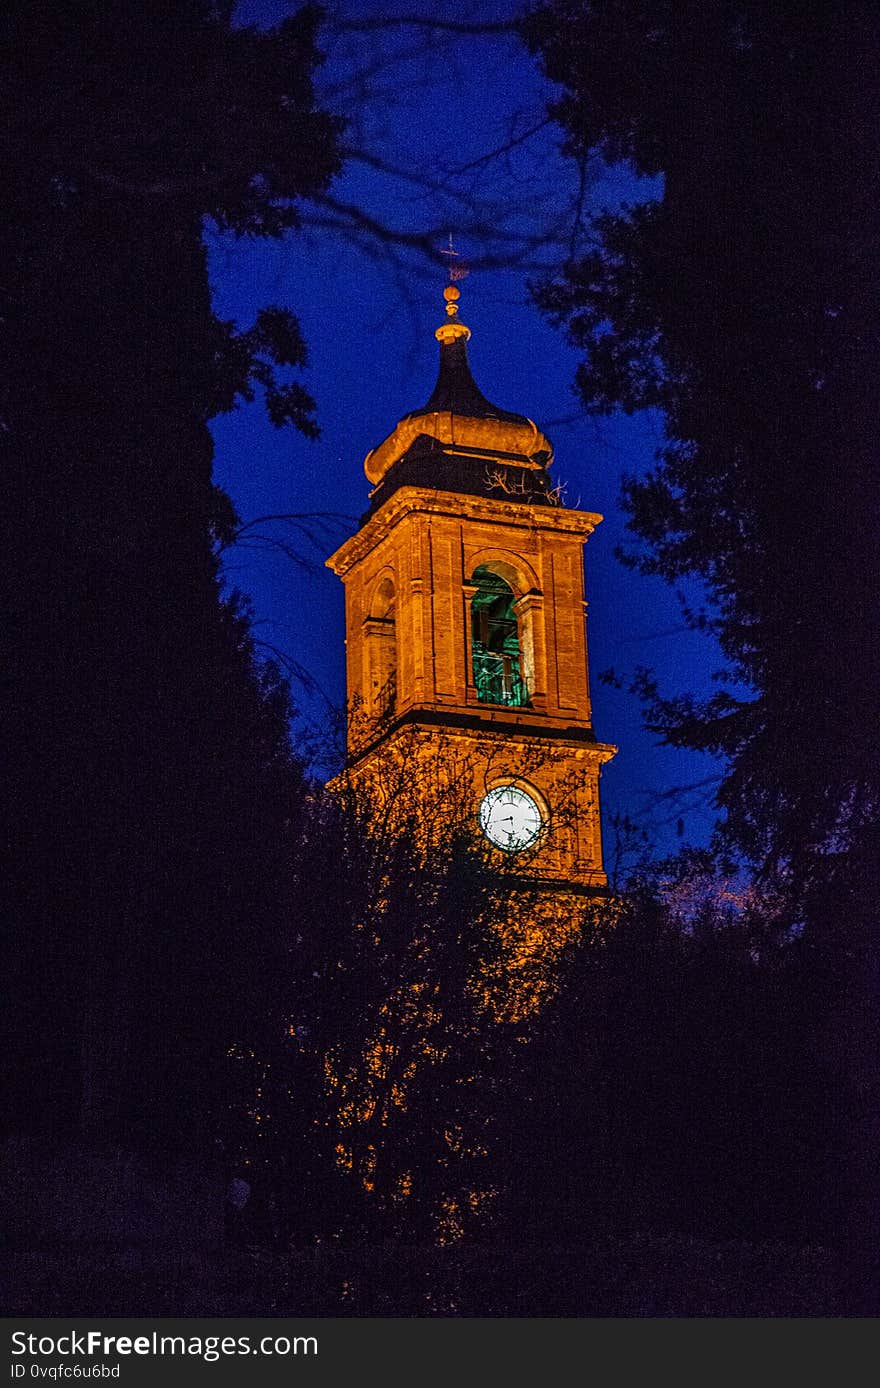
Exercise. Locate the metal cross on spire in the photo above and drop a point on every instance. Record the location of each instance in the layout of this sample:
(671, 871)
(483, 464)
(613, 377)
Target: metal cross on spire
(456, 271)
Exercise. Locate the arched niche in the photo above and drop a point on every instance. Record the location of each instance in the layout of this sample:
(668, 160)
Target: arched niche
(380, 634)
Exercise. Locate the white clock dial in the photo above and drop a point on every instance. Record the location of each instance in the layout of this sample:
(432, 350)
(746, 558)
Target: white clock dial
(510, 818)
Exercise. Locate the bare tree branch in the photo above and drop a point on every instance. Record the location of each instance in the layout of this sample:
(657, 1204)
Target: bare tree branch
(430, 22)
(504, 148)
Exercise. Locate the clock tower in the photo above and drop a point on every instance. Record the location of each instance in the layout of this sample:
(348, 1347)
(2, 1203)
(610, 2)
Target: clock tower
(465, 630)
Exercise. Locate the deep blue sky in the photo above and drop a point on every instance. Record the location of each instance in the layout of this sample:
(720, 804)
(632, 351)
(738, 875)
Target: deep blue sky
(368, 315)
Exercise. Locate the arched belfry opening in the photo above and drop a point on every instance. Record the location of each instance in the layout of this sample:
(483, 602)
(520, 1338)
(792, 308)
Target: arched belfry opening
(382, 646)
(496, 652)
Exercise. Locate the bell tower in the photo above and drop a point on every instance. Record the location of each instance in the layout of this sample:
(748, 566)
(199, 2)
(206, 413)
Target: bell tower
(465, 625)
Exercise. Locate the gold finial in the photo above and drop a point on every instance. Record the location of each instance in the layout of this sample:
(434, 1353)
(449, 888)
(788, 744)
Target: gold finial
(453, 328)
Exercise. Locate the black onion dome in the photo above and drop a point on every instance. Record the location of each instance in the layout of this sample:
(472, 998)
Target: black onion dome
(458, 421)
(456, 391)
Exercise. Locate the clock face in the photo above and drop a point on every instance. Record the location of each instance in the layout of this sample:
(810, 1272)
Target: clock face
(510, 818)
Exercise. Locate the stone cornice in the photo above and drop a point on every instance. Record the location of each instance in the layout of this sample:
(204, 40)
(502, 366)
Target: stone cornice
(410, 500)
(474, 725)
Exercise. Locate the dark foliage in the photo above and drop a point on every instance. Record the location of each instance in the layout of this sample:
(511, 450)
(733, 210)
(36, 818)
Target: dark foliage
(744, 302)
(381, 1067)
(150, 777)
(623, 1276)
(677, 1086)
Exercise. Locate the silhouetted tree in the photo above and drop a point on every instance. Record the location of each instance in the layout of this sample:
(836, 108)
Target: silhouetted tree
(741, 299)
(150, 774)
(366, 1110)
(672, 1085)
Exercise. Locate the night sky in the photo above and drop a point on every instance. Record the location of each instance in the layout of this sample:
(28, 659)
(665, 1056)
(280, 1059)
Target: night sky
(368, 312)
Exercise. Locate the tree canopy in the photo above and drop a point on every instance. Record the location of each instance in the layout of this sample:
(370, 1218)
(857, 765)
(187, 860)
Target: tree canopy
(151, 772)
(742, 300)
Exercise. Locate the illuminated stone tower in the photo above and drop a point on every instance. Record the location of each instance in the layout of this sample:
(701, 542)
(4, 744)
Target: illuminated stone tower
(465, 622)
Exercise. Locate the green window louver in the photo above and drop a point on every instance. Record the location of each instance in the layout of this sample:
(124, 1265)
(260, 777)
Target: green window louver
(495, 648)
